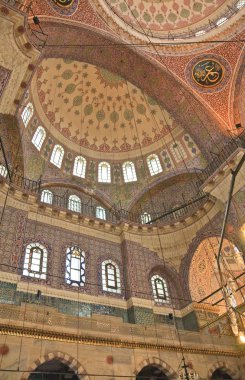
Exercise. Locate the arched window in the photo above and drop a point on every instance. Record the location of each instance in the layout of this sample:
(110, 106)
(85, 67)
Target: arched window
(111, 277)
(154, 164)
(57, 156)
(47, 196)
(129, 173)
(74, 203)
(178, 152)
(79, 168)
(75, 266)
(160, 290)
(100, 213)
(104, 172)
(27, 114)
(39, 137)
(145, 218)
(3, 171)
(35, 264)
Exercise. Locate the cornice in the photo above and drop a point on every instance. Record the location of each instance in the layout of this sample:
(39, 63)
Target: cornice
(35, 333)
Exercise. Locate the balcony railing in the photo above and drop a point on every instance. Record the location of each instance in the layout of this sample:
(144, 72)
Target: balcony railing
(114, 215)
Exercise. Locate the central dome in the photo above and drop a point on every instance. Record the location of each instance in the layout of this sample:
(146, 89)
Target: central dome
(98, 111)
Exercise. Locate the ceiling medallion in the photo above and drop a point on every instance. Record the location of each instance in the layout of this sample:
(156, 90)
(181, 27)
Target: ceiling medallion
(208, 73)
(64, 7)
(63, 3)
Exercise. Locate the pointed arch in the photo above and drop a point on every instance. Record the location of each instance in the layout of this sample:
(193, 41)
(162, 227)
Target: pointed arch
(234, 373)
(162, 365)
(64, 358)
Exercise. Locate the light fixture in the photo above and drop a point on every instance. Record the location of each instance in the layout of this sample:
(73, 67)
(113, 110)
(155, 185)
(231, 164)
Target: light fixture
(241, 336)
(186, 372)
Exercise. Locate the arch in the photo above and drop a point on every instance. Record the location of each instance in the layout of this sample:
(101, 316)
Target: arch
(64, 358)
(167, 90)
(129, 173)
(232, 372)
(203, 272)
(167, 370)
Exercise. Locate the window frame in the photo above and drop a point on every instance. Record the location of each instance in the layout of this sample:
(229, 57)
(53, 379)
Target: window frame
(74, 202)
(105, 277)
(100, 210)
(157, 296)
(76, 164)
(25, 116)
(46, 194)
(57, 163)
(41, 141)
(108, 175)
(126, 175)
(81, 270)
(3, 171)
(149, 160)
(145, 218)
(28, 261)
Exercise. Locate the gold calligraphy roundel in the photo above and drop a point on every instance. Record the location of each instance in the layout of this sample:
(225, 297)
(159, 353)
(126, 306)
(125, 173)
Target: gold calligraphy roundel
(63, 3)
(208, 72)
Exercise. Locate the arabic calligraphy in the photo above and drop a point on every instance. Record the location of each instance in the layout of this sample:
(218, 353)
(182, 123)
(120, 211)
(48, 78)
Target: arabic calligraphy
(208, 73)
(63, 3)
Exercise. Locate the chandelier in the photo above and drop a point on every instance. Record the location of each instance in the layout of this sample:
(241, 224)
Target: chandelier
(187, 372)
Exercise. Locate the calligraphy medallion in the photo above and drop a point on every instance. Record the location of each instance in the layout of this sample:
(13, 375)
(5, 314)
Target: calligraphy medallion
(208, 73)
(63, 3)
(64, 7)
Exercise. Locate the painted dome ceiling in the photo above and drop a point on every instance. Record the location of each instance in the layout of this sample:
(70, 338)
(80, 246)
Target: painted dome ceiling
(146, 19)
(90, 108)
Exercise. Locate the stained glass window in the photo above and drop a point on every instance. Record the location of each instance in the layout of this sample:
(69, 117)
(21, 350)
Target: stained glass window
(47, 196)
(35, 263)
(111, 277)
(75, 266)
(79, 168)
(104, 172)
(39, 137)
(160, 290)
(129, 172)
(27, 114)
(57, 156)
(74, 203)
(154, 164)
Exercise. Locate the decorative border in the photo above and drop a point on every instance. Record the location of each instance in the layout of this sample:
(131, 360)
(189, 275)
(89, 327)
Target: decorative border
(4, 78)
(208, 90)
(119, 343)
